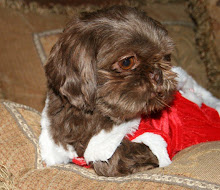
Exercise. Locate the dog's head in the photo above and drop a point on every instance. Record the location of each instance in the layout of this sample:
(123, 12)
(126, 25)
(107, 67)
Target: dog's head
(115, 61)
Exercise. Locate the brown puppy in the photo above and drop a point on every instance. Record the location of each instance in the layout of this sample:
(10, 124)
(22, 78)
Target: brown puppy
(107, 68)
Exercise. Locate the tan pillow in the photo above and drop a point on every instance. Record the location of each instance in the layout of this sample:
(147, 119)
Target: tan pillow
(22, 77)
(21, 166)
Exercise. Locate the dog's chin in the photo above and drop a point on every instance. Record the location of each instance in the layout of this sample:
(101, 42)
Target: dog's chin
(134, 107)
(158, 102)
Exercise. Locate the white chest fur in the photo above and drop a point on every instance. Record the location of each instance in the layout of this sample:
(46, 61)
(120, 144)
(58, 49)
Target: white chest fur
(52, 153)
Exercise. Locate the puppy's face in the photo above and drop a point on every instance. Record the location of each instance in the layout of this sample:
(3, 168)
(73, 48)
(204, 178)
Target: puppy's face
(115, 61)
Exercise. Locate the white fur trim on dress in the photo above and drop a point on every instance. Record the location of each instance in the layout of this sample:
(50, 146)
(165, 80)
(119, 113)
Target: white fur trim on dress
(103, 145)
(157, 145)
(192, 91)
(52, 153)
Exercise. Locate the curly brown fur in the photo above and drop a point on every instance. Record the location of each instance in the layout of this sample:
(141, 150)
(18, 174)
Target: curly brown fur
(88, 91)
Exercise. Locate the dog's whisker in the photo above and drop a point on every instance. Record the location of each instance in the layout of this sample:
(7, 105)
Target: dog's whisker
(162, 102)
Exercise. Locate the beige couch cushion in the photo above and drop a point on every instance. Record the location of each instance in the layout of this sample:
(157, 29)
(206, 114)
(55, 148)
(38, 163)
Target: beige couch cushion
(21, 166)
(22, 77)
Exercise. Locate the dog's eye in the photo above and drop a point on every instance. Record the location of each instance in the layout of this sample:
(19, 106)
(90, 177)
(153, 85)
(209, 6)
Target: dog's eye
(127, 63)
(167, 57)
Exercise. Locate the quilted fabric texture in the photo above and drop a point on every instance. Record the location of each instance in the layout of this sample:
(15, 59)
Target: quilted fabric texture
(21, 166)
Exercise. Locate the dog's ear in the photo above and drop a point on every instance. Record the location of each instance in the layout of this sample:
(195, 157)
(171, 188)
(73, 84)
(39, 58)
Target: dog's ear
(71, 69)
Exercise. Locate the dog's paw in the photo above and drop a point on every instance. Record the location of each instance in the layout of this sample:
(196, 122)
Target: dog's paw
(157, 145)
(129, 158)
